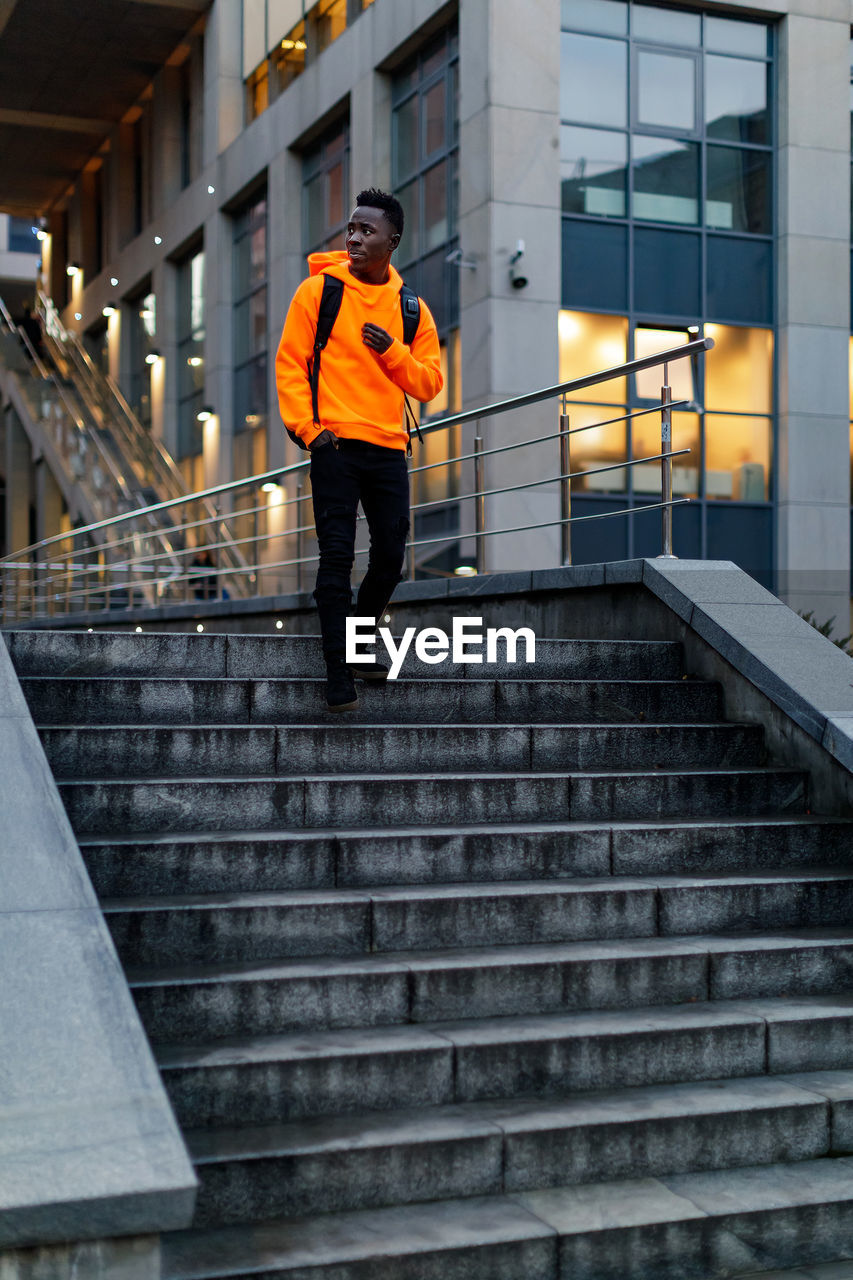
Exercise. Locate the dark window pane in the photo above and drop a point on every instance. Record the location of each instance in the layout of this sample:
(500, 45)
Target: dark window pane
(593, 165)
(596, 15)
(742, 534)
(667, 26)
(410, 246)
(594, 541)
(593, 80)
(434, 274)
(435, 206)
(595, 265)
(315, 219)
(434, 111)
(736, 99)
(666, 180)
(406, 139)
(666, 272)
(727, 35)
(738, 190)
(337, 213)
(21, 238)
(739, 279)
(250, 392)
(666, 93)
(433, 57)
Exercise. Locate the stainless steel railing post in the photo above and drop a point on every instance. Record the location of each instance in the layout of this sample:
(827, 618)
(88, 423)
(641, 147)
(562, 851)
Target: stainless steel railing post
(479, 504)
(565, 485)
(299, 488)
(666, 467)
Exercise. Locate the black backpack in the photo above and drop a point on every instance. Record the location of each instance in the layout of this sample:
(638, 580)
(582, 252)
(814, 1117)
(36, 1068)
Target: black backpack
(330, 305)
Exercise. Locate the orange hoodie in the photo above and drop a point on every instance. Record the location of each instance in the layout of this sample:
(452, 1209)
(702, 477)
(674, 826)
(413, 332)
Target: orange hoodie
(360, 392)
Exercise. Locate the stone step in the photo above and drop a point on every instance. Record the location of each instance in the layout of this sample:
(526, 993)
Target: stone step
(373, 1160)
(200, 1002)
(234, 804)
(693, 1226)
(56, 700)
(280, 1078)
(63, 653)
(270, 861)
(218, 928)
(128, 751)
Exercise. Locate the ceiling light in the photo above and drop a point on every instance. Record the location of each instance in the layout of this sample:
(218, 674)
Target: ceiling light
(78, 315)
(152, 357)
(299, 46)
(146, 314)
(158, 239)
(252, 419)
(113, 281)
(41, 235)
(204, 413)
(210, 189)
(279, 624)
(200, 627)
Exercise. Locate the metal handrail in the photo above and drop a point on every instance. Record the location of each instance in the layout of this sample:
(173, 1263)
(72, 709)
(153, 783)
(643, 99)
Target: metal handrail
(139, 561)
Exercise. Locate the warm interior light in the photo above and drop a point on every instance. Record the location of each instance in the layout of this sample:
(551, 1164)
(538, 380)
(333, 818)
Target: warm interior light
(269, 487)
(299, 45)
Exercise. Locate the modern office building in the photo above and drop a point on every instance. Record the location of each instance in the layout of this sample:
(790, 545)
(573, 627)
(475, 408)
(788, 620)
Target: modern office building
(670, 171)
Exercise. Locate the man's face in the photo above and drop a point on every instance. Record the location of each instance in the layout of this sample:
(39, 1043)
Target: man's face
(370, 241)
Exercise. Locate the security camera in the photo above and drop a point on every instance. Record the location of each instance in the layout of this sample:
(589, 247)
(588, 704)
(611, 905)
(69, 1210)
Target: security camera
(517, 278)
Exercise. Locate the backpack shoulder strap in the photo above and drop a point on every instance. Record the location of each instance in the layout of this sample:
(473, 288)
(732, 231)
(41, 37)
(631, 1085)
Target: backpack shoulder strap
(410, 306)
(330, 305)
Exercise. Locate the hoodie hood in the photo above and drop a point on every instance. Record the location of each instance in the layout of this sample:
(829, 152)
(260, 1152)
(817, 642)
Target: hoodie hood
(335, 262)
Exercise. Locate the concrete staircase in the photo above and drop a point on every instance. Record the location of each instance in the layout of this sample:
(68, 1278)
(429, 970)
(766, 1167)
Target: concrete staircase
(499, 978)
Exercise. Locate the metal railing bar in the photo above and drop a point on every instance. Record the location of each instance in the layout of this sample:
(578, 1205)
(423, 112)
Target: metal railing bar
(531, 484)
(575, 384)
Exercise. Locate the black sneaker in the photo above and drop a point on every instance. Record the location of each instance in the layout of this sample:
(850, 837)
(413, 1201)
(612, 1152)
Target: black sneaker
(340, 688)
(369, 670)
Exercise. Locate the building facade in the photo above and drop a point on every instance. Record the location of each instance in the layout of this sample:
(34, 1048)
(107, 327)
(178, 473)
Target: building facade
(671, 172)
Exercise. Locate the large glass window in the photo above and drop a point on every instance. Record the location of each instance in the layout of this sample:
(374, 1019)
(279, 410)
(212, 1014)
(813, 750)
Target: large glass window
(190, 333)
(666, 190)
(425, 148)
(282, 37)
(666, 120)
(326, 191)
(143, 337)
(250, 327)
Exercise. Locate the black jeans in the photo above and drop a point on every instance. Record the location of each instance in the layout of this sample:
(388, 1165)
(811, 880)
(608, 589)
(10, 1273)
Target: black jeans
(340, 477)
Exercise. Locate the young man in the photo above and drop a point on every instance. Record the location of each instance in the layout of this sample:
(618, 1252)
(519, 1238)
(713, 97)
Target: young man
(355, 426)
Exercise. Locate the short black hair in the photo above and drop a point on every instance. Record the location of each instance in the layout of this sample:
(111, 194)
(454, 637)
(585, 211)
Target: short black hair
(373, 198)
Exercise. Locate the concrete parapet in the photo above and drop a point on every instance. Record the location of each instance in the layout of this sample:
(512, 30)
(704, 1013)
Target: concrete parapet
(89, 1147)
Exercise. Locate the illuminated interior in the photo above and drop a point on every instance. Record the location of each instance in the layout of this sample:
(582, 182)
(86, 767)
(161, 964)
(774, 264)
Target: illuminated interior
(588, 344)
(738, 398)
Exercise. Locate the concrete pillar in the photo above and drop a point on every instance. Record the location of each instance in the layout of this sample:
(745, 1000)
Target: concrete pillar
(814, 316)
(218, 349)
(166, 139)
(49, 503)
(164, 374)
(223, 78)
(18, 466)
(509, 191)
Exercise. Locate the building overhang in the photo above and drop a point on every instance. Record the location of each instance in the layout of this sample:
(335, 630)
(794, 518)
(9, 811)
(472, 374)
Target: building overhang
(69, 72)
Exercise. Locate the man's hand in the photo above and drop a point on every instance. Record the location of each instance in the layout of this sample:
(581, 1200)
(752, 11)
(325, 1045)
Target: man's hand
(375, 338)
(325, 437)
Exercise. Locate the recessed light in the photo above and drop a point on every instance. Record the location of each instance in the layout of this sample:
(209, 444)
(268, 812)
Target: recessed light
(158, 239)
